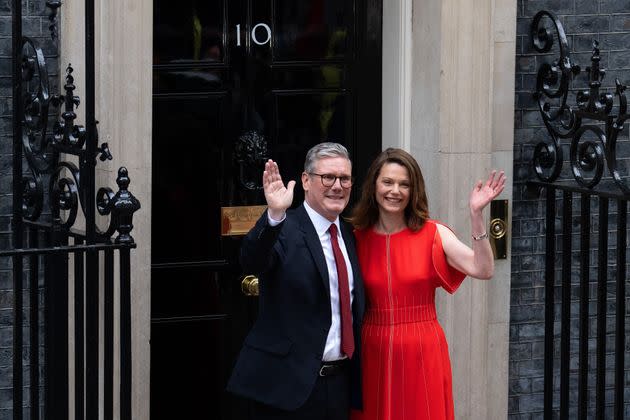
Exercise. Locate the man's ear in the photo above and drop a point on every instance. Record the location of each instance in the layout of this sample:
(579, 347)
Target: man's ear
(305, 181)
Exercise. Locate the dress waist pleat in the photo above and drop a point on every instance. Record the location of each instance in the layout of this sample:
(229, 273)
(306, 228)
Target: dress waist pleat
(402, 315)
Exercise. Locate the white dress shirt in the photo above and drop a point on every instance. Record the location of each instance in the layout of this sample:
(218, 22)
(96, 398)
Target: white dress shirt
(332, 350)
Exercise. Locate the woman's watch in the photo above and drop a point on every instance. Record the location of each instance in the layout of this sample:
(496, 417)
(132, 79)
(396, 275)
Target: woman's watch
(480, 237)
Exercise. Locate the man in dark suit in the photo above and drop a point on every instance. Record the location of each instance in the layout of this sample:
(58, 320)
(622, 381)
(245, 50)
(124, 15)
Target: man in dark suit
(300, 360)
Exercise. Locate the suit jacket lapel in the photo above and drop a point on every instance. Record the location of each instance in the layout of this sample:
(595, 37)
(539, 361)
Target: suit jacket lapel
(314, 245)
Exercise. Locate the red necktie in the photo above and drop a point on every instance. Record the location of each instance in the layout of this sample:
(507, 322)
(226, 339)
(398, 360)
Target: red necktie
(347, 337)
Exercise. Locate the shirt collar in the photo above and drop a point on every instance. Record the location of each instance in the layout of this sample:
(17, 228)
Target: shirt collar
(320, 222)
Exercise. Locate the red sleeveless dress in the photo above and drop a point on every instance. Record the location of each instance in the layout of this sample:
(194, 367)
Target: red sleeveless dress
(406, 369)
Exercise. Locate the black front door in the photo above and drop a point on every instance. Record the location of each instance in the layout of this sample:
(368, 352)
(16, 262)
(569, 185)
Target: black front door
(236, 82)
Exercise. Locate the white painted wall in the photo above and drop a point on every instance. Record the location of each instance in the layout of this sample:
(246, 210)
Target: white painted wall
(124, 49)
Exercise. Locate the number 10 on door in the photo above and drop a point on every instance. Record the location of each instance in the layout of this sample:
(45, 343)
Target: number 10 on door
(256, 35)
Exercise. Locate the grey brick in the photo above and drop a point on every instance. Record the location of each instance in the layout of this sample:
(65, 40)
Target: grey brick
(586, 6)
(520, 280)
(5, 278)
(6, 399)
(548, 58)
(529, 83)
(619, 60)
(522, 245)
(6, 187)
(518, 82)
(585, 42)
(6, 299)
(528, 313)
(518, 119)
(617, 41)
(532, 227)
(512, 405)
(532, 119)
(520, 416)
(5, 48)
(5, 26)
(531, 331)
(533, 262)
(526, 64)
(614, 6)
(587, 24)
(6, 356)
(6, 337)
(37, 8)
(523, 26)
(6, 144)
(531, 402)
(525, 209)
(6, 377)
(559, 7)
(6, 162)
(621, 23)
(583, 59)
(523, 135)
(5, 67)
(519, 44)
(520, 351)
(525, 100)
(6, 206)
(6, 318)
(538, 350)
(520, 386)
(531, 368)
(33, 26)
(538, 385)
(6, 107)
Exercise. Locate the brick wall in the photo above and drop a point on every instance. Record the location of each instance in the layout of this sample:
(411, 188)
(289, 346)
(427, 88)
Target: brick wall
(584, 20)
(35, 25)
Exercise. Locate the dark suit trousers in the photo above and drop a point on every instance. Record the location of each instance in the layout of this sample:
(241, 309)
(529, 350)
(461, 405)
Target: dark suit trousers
(330, 400)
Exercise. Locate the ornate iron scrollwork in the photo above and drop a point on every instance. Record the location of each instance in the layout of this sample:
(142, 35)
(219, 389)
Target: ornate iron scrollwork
(38, 150)
(69, 137)
(121, 205)
(587, 157)
(42, 150)
(64, 194)
(250, 152)
(54, 6)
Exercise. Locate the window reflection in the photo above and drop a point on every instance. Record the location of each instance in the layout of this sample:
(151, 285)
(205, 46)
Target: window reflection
(310, 118)
(187, 133)
(188, 30)
(196, 80)
(321, 77)
(311, 30)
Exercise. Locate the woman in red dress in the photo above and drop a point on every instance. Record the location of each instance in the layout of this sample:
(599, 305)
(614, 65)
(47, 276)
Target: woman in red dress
(404, 256)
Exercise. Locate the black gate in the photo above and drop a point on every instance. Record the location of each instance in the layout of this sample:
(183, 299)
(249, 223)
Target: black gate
(60, 258)
(586, 231)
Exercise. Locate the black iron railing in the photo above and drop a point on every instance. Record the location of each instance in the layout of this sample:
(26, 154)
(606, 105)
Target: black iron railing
(52, 195)
(590, 130)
